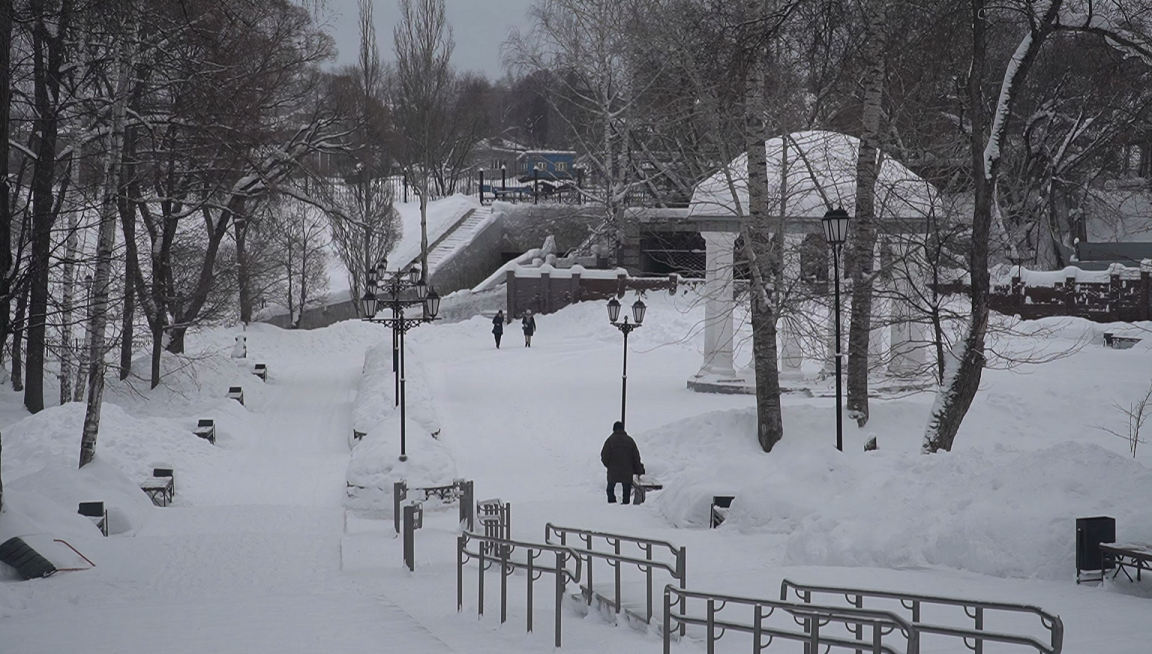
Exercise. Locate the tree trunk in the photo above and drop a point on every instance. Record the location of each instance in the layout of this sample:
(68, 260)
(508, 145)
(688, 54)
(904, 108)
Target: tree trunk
(965, 364)
(5, 214)
(243, 272)
(47, 59)
(17, 339)
(68, 288)
(424, 272)
(101, 281)
(769, 422)
(127, 330)
(864, 226)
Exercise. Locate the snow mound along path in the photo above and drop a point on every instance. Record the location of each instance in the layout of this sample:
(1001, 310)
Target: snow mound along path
(996, 511)
(375, 402)
(375, 465)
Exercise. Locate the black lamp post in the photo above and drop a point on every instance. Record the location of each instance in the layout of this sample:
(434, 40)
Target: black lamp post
(638, 309)
(392, 285)
(836, 233)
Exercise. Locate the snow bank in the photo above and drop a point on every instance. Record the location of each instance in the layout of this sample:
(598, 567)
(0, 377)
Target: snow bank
(375, 402)
(375, 463)
(46, 501)
(997, 511)
(132, 445)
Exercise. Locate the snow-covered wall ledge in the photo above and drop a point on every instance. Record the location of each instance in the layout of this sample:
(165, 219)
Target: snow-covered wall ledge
(375, 401)
(375, 463)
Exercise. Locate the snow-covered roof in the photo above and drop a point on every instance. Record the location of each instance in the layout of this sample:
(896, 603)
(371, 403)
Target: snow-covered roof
(821, 175)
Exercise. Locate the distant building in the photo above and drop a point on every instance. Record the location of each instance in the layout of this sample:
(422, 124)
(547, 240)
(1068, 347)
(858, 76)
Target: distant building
(492, 154)
(547, 164)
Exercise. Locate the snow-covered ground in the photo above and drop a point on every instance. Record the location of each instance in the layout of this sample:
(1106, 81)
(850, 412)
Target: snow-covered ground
(442, 215)
(260, 552)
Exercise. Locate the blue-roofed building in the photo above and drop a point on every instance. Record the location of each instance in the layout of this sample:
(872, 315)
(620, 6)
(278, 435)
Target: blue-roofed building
(548, 164)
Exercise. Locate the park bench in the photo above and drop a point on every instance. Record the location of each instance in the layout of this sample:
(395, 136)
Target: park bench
(641, 486)
(206, 429)
(97, 513)
(236, 393)
(261, 371)
(1137, 556)
(1119, 342)
(161, 488)
(718, 512)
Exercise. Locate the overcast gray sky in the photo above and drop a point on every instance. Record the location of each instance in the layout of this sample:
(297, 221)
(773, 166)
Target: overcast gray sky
(479, 27)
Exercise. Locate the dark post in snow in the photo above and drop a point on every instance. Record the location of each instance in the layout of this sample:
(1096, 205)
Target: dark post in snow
(836, 233)
(638, 309)
(392, 285)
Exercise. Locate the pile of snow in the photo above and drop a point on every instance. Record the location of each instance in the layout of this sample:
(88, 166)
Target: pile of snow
(997, 511)
(375, 465)
(132, 445)
(46, 501)
(375, 402)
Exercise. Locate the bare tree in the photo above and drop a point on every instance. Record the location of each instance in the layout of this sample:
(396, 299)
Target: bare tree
(1136, 413)
(423, 46)
(124, 12)
(864, 228)
(600, 76)
(989, 124)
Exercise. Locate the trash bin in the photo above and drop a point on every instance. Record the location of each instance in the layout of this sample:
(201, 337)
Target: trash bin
(1090, 532)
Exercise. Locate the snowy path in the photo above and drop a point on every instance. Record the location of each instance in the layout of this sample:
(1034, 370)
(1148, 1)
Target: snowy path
(255, 566)
(301, 451)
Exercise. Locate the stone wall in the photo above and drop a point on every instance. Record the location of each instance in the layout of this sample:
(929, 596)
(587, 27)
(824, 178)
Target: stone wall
(547, 289)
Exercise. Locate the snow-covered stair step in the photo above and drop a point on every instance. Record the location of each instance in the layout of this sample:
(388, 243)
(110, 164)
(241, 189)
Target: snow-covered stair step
(461, 235)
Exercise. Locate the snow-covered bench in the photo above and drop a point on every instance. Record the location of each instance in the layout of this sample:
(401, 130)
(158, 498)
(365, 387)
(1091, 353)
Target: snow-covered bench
(97, 513)
(236, 393)
(206, 429)
(161, 488)
(641, 486)
(719, 509)
(1119, 342)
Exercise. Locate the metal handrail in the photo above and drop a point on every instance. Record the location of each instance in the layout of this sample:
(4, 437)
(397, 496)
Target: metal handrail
(810, 616)
(972, 608)
(676, 568)
(562, 532)
(503, 549)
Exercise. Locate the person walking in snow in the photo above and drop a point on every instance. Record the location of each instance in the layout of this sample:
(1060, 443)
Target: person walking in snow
(528, 322)
(498, 327)
(622, 459)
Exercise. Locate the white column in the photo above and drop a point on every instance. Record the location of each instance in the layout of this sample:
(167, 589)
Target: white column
(908, 341)
(718, 305)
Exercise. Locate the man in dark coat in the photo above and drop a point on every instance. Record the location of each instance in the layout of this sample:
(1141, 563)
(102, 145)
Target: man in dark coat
(498, 327)
(622, 458)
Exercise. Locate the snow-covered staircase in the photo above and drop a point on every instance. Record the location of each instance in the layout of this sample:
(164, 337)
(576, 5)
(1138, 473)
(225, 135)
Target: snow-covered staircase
(456, 237)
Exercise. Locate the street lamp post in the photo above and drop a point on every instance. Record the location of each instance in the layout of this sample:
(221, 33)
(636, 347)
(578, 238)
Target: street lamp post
(836, 233)
(638, 309)
(392, 286)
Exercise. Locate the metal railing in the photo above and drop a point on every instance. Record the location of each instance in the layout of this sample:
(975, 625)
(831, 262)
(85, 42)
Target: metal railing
(511, 556)
(974, 639)
(811, 618)
(459, 489)
(675, 567)
(495, 517)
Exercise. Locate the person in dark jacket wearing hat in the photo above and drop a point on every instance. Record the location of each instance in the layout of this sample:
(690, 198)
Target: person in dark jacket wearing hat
(498, 327)
(622, 458)
(529, 324)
